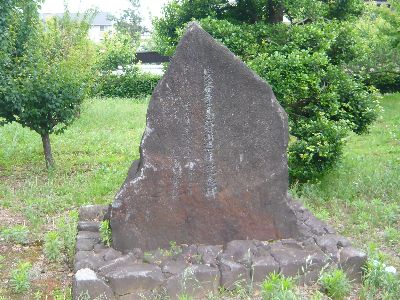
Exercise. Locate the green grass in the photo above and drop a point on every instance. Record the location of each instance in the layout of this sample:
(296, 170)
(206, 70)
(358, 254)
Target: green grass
(92, 158)
(360, 197)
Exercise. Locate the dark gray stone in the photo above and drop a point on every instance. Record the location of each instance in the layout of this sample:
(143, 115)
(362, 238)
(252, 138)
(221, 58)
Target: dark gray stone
(209, 254)
(331, 244)
(195, 183)
(117, 263)
(172, 267)
(99, 247)
(86, 240)
(142, 295)
(352, 262)
(262, 267)
(233, 274)
(85, 244)
(134, 279)
(92, 212)
(88, 259)
(307, 224)
(89, 235)
(87, 285)
(294, 261)
(196, 281)
(242, 251)
(88, 226)
(111, 254)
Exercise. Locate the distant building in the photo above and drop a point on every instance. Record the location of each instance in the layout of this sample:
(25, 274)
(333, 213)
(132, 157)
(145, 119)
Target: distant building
(100, 24)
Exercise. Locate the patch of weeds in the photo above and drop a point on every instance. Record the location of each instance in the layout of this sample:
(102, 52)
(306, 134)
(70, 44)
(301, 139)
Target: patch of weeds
(62, 294)
(2, 258)
(392, 235)
(15, 234)
(317, 295)
(52, 246)
(335, 284)
(20, 278)
(38, 295)
(380, 281)
(67, 231)
(278, 287)
(105, 232)
(174, 249)
(185, 297)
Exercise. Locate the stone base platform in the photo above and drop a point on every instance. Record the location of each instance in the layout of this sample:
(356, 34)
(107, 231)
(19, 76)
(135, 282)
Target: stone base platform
(102, 272)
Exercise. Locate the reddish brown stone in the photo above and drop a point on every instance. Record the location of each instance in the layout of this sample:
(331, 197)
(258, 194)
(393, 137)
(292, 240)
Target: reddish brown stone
(213, 165)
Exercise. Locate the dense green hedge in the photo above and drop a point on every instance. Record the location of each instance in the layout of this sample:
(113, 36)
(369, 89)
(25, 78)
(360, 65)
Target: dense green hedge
(385, 81)
(128, 85)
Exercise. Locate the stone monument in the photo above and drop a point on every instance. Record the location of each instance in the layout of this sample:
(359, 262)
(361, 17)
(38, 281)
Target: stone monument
(213, 165)
(206, 206)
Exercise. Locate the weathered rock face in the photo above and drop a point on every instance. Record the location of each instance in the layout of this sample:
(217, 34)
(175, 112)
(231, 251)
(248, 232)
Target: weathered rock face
(213, 165)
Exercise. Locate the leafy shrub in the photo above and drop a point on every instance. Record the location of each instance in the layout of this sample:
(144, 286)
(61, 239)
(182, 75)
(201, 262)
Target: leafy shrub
(132, 84)
(105, 232)
(323, 104)
(15, 234)
(52, 246)
(20, 281)
(278, 287)
(335, 284)
(116, 50)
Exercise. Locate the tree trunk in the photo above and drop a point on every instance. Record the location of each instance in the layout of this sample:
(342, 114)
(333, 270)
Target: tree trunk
(48, 156)
(275, 11)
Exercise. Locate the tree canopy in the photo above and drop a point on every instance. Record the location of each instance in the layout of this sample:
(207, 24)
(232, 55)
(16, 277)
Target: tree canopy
(47, 70)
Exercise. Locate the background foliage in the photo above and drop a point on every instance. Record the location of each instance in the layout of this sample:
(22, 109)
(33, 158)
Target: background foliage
(306, 61)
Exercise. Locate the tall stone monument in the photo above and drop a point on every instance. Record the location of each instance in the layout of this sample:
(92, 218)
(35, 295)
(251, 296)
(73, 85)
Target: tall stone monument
(213, 164)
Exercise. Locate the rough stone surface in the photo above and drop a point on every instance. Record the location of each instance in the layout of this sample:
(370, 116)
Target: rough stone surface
(233, 274)
(294, 260)
(172, 267)
(110, 254)
(331, 244)
(351, 261)
(88, 226)
(117, 263)
(196, 281)
(262, 267)
(195, 183)
(209, 254)
(88, 259)
(85, 244)
(134, 279)
(244, 251)
(92, 212)
(87, 284)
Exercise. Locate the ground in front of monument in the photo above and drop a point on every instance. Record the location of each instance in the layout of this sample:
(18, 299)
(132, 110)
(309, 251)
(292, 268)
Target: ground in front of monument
(201, 211)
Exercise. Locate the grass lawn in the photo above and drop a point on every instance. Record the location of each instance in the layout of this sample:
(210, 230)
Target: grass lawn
(360, 198)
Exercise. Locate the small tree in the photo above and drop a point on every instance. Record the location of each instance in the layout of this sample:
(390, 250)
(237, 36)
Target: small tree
(130, 21)
(48, 74)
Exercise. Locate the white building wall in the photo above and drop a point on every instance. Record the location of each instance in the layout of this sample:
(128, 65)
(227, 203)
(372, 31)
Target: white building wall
(96, 32)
